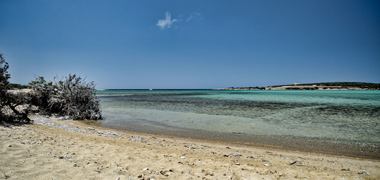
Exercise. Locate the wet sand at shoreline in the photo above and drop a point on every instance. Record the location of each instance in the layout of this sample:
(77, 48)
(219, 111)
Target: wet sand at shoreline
(318, 145)
(59, 149)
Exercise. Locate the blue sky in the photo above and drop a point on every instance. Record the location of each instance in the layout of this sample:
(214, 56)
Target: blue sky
(192, 44)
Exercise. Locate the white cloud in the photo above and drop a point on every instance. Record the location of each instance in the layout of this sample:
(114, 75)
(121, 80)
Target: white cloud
(189, 18)
(166, 23)
(194, 15)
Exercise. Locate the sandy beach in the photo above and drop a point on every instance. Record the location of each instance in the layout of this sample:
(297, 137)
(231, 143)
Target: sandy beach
(66, 149)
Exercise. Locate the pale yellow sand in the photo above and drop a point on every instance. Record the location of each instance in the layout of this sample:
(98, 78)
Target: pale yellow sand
(42, 152)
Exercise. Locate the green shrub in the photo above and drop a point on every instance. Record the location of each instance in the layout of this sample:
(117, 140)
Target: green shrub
(72, 96)
(14, 106)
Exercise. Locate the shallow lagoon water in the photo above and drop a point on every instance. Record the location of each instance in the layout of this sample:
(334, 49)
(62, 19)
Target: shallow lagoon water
(345, 122)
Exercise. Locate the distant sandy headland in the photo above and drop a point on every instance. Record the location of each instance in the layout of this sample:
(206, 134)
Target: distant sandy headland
(315, 86)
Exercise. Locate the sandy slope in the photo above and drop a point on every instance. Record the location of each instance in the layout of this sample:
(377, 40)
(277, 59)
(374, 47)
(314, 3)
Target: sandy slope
(77, 151)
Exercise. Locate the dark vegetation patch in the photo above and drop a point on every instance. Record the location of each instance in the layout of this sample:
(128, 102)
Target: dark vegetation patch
(71, 96)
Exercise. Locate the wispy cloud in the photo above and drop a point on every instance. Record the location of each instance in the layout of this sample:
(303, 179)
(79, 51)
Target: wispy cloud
(167, 22)
(193, 16)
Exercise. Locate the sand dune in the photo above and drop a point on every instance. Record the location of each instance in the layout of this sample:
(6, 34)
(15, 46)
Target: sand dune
(58, 149)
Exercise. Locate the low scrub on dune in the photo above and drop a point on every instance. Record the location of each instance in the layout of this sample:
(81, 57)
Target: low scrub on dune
(70, 96)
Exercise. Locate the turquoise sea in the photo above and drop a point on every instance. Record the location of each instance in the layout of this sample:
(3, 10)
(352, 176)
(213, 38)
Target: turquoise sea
(332, 121)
